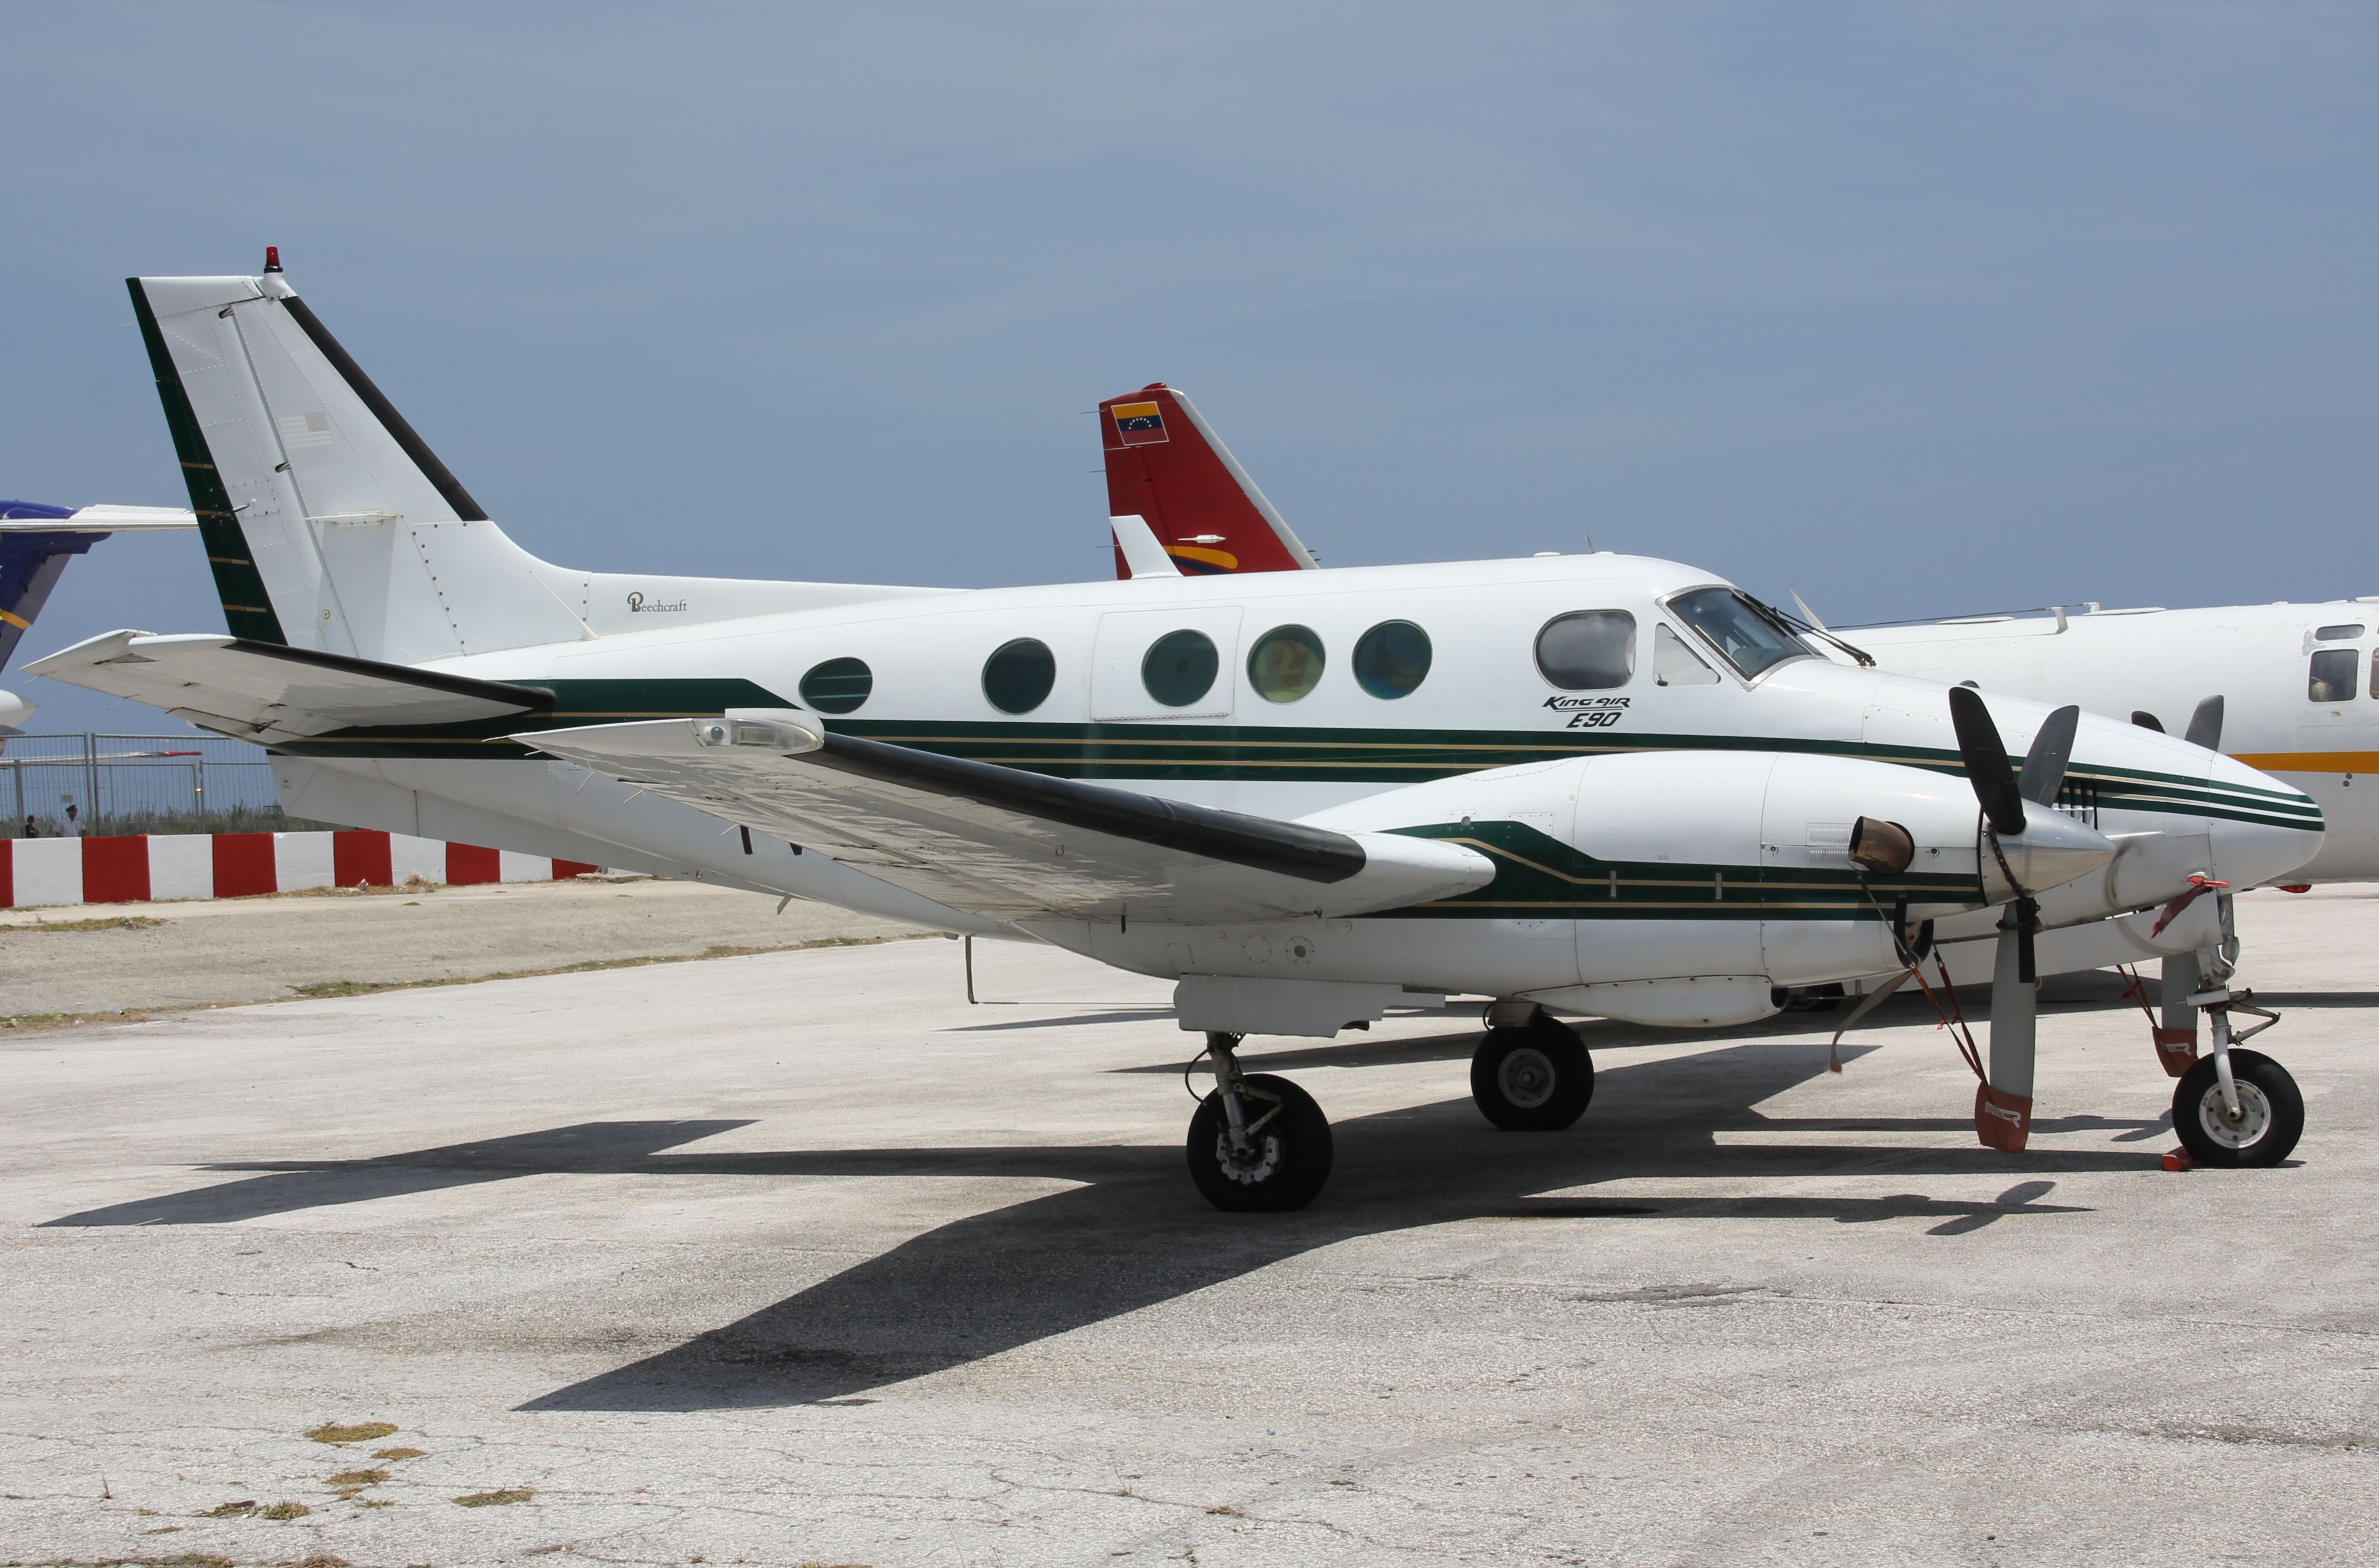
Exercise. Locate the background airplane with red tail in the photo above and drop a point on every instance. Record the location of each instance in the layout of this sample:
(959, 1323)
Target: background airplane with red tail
(1166, 467)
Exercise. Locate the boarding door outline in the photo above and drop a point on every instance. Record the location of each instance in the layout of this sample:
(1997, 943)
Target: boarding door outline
(1117, 693)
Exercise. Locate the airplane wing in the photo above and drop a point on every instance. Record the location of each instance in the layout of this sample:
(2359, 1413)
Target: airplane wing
(1007, 844)
(264, 692)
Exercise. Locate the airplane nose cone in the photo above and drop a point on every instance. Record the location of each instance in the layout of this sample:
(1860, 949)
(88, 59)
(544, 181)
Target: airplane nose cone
(2052, 849)
(2268, 830)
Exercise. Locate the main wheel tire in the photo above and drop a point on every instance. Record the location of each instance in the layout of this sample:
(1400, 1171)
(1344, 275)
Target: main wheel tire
(1539, 1078)
(1288, 1162)
(2271, 1111)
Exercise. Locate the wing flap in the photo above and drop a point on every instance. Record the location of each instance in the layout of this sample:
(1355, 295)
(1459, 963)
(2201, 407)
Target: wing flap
(1007, 844)
(262, 691)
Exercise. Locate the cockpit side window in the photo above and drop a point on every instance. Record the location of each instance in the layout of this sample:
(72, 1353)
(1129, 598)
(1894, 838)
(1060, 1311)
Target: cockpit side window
(2344, 632)
(2331, 678)
(1674, 663)
(1744, 632)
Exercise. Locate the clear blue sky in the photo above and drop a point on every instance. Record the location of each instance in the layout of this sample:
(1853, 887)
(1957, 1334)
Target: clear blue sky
(1914, 308)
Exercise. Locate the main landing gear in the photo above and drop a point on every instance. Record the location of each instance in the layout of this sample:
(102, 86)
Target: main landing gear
(1257, 1142)
(1532, 1077)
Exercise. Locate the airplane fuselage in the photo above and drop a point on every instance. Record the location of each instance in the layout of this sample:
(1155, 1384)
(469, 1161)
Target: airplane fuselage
(1711, 866)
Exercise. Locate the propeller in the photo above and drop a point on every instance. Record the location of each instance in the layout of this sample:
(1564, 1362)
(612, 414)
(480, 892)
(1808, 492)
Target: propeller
(2003, 1105)
(1987, 762)
(2205, 724)
(2052, 752)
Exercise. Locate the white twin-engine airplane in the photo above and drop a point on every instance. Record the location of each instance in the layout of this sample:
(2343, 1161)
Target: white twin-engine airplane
(1605, 784)
(2278, 686)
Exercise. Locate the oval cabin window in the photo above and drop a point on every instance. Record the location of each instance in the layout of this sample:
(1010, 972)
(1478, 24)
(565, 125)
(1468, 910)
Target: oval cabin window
(1587, 650)
(839, 685)
(1392, 659)
(1286, 663)
(1017, 679)
(1180, 668)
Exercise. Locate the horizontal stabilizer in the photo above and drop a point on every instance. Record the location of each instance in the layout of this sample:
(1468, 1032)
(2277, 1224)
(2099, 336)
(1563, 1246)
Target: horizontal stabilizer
(22, 517)
(1008, 844)
(264, 691)
(36, 542)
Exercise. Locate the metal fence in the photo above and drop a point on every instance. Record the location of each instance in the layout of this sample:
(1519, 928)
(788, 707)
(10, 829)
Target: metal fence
(139, 784)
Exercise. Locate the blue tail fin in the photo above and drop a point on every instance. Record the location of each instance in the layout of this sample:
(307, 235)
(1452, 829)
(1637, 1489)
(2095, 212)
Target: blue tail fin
(31, 560)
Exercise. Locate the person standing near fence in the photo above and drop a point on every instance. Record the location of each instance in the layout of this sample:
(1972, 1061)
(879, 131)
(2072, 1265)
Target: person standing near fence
(72, 827)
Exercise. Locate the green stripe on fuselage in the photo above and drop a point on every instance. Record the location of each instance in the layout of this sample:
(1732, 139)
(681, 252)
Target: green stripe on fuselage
(1538, 877)
(1127, 753)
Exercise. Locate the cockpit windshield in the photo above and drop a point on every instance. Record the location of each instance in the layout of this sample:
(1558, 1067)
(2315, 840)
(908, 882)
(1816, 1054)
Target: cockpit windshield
(1752, 637)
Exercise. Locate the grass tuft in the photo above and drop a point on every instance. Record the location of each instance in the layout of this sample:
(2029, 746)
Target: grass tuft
(103, 923)
(284, 1511)
(230, 1510)
(363, 1431)
(399, 1453)
(495, 1499)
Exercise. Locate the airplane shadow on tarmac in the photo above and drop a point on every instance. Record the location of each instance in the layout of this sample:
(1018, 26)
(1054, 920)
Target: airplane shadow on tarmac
(1135, 1234)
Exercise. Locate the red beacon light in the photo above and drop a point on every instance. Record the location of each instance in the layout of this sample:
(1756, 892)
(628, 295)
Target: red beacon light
(273, 259)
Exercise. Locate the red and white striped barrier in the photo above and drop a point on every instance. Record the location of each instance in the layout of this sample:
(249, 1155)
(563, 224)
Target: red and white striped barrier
(134, 868)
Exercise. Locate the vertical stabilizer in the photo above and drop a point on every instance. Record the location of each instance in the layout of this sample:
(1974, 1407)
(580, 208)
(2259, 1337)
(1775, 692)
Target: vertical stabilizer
(33, 558)
(1163, 463)
(328, 520)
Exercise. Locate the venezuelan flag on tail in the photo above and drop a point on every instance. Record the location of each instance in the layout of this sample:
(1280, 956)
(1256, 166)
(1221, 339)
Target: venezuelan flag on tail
(1165, 465)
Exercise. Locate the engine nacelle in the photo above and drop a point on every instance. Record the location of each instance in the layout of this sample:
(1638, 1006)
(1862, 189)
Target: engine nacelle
(1695, 882)
(1679, 888)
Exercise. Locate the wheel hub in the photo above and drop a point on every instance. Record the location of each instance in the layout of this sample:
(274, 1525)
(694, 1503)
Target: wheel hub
(2246, 1130)
(1253, 1167)
(1526, 1078)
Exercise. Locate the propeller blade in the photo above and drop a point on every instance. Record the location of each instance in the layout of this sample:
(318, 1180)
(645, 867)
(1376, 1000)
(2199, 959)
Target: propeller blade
(2147, 720)
(2206, 725)
(1986, 761)
(2003, 1105)
(2044, 766)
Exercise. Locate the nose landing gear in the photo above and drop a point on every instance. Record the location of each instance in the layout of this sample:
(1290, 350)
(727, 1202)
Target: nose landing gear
(2264, 1127)
(2236, 1106)
(1537, 1076)
(2232, 1106)
(1257, 1142)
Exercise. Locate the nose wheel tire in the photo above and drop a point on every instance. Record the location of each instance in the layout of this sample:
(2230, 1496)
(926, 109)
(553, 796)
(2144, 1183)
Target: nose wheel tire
(1539, 1078)
(1287, 1157)
(2270, 1118)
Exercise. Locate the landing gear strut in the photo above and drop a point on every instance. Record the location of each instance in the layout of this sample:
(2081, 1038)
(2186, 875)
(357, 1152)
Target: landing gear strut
(1257, 1142)
(1532, 1077)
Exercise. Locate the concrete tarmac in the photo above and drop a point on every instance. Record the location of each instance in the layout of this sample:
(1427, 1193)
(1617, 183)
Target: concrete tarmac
(799, 1257)
(68, 959)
